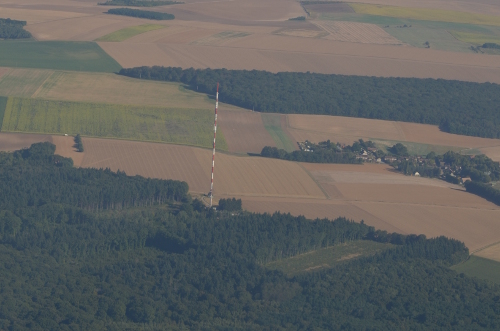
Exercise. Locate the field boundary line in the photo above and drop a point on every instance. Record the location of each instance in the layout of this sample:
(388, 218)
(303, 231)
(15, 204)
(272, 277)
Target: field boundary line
(327, 197)
(483, 248)
(41, 85)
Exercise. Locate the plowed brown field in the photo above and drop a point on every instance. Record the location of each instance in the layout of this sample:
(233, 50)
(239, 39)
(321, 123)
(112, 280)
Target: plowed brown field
(244, 131)
(14, 141)
(492, 253)
(65, 146)
(357, 33)
(233, 175)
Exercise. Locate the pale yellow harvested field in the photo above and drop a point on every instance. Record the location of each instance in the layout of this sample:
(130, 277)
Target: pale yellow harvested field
(342, 59)
(492, 152)
(3, 71)
(357, 33)
(317, 128)
(244, 131)
(65, 146)
(85, 28)
(233, 175)
(220, 38)
(492, 252)
(14, 141)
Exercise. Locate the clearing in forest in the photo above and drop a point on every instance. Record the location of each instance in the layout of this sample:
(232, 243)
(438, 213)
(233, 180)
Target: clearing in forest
(180, 126)
(130, 32)
(327, 257)
(481, 268)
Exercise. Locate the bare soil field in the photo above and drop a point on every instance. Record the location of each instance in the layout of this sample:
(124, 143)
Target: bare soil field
(244, 131)
(357, 33)
(492, 252)
(34, 16)
(244, 57)
(65, 146)
(233, 175)
(3, 71)
(492, 152)
(13, 141)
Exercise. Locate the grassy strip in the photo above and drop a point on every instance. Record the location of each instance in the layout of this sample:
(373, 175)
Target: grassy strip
(426, 14)
(475, 38)
(129, 32)
(272, 123)
(60, 55)
(3, 104)
(326, 257)
(179, 126)
(480, 268)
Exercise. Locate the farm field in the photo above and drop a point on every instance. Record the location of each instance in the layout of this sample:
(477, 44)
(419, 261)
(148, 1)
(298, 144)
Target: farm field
(244, 131)
(22, 82)
(234, 175)
(183, 126)
(357, 33)
(327, 257)
(274, 124)
(78, 56)
(491, 252)
(480, 268)
(476, 38)
(14, 141)
(130, 32)
(426, 14)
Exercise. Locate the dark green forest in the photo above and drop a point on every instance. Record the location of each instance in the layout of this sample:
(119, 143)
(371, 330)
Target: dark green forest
(151, 15)
(138, 3)
(483, 190)
(12, 29)
(87, 249)
(457, 107)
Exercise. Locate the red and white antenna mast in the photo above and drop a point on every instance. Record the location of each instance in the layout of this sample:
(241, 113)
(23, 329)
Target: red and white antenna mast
(213, 152)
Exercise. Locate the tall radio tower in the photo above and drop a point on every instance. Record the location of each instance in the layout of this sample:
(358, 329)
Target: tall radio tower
(211, 194)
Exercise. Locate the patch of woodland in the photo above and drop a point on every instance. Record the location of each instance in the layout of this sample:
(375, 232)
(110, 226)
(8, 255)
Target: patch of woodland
(13, 29)
(457, 107)
(170, 263)
(151, 15)
(78, 143)
(139, 3)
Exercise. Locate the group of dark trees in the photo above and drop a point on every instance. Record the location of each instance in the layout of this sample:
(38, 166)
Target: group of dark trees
(483, 190)
(138, 3)
(479, 167)
(230, 204)
(12, 29)
(491, 45)
(79, 143)
(151, 15)
(175, 265)
(457, 107)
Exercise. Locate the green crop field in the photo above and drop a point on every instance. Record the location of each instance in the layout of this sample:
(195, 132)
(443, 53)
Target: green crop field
(476, 38)
(171, 125)
(62, 55)
(272, 123)
(481, 268)
(3, 104)
(426, 14)
(23, 82)
(422, 149)
(129, 32)
(327, 257)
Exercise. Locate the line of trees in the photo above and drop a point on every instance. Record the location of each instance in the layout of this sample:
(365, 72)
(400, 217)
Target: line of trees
(320, 156)
(151, 15)
(12, 29)
(178, 266)
(230, 204)
(483, 190)
(457, 107)
(138, 3)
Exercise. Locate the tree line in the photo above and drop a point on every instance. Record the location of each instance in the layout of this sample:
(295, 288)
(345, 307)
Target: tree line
(484, 191)
(12, 29)
(151, 15)
(178, 265)
(457, 107)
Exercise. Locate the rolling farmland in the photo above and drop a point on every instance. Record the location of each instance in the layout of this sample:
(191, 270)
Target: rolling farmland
(130, 32)
(78, 56)
(183, 126)
(356, 32)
